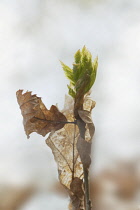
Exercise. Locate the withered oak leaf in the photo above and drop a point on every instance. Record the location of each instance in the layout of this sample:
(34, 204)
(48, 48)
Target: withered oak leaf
(63, 144)
(36, 117)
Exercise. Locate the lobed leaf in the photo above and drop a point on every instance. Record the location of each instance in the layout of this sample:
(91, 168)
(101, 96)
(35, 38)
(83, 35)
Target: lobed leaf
(77, 57)
(36, 117)
(71, 91)
(68, 72)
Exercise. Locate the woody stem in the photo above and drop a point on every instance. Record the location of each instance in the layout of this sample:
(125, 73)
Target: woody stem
(81, 125)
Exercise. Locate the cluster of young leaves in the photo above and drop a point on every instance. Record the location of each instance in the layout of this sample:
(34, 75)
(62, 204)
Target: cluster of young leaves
(83, 74)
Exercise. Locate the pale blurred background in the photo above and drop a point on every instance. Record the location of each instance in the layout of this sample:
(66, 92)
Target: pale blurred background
(34, 36)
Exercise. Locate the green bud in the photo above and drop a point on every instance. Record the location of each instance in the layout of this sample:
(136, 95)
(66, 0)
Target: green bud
(82, 68)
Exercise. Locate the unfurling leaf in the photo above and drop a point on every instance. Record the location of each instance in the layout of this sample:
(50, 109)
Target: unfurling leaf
(36, 117)
(83, 74)
(71, 91)
(68, 72)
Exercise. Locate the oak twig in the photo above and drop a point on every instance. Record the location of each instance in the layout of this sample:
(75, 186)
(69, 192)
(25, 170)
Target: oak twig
(81, 125)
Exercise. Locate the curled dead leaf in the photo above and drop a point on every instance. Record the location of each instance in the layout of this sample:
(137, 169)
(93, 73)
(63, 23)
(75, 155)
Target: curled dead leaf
(36, 117)
(63, 144)
(84, 150)
(85, 116)
(88, 104)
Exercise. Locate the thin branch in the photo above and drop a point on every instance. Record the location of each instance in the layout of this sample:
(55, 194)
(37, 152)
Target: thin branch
(86, 184)
(81, 125)
(73, 150)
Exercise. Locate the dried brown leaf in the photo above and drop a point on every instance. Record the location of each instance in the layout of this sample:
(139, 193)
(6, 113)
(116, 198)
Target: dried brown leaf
(63, 144)
(87, 130)
(89, 104)
(91, 129)
(72, 152)
(64, 148)
(36, 117)
(85, 116)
